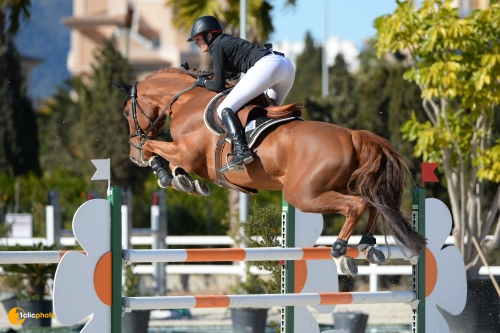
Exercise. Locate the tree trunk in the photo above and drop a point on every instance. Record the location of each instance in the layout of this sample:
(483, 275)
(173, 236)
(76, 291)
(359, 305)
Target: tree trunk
(2, 31)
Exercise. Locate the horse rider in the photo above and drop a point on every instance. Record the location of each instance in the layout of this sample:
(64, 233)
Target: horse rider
(266, 71)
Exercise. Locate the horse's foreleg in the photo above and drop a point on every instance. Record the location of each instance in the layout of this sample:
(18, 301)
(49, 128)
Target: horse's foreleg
(367, 242)
(180, 181)
(162, 171)
(168, 150)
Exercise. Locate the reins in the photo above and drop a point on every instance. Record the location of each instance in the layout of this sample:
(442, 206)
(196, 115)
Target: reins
(185, 68)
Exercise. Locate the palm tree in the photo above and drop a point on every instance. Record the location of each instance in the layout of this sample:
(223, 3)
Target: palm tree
(17, 10)
(12, 14)
(259, 22)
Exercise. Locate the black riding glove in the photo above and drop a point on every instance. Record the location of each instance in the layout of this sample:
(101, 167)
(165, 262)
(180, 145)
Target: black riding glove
(230, 76)
(200, 81)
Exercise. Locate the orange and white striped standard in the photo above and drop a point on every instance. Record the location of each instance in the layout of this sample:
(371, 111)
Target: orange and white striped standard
(265, 301)
(247, 254)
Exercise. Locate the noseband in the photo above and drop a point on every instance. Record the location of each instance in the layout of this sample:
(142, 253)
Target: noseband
(144, 135)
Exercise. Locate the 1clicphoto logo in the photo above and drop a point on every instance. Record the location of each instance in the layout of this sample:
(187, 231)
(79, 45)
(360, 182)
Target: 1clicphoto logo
(17, 316)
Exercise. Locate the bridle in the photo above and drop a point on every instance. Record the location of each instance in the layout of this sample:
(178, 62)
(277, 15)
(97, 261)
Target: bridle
(144, 135)
(132, 95)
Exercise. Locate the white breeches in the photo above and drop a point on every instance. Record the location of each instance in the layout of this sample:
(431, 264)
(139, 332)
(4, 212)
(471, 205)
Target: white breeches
(272, 74)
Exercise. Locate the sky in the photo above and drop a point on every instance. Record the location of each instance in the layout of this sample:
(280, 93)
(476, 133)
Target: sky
(45, 38)
(348, 19)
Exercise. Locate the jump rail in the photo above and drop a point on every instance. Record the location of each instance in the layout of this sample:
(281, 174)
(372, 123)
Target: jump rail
(31, 257)
(248, 254)
(203, 255)
(266, 301)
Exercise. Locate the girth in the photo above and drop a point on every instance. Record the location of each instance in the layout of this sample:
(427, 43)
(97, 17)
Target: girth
(257, 116)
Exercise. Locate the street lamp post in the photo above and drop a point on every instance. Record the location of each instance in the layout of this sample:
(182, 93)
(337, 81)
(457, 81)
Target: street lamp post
(324, 66)
(244, 198)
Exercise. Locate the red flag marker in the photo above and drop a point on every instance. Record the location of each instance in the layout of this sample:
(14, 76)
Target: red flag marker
(428, 175)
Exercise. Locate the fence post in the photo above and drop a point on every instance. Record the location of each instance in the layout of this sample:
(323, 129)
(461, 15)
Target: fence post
(288, 269)
(114, 197)
(373, 279)
(53, 217)
(126, 209)
(162, 244)
(158, 232)
(418, 270)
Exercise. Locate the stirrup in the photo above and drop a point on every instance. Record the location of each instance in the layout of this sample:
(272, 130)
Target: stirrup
(231, 166)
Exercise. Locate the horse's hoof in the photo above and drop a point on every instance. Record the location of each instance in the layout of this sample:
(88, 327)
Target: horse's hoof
(347, 265)
(182, 183)
(200, 189)
(374, 255)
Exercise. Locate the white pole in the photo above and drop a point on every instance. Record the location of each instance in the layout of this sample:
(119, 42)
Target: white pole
(243, 34)
(49, 224)
(464, 8)
(53, 218)
(243, 19)
(266, 301)
(126, 218)
(162, 236)
(373, 279)
(155, 223)
(324, 65)
(125, 229)
(30, 257)
(243, 254)
(244, 199)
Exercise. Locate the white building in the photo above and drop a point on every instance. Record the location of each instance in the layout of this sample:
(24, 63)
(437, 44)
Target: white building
(334, 46)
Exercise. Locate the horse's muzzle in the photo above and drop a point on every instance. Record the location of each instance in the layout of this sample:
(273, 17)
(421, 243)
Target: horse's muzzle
(141, 162)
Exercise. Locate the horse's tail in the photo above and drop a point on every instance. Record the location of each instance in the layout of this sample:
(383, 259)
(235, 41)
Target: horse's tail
(379, 180)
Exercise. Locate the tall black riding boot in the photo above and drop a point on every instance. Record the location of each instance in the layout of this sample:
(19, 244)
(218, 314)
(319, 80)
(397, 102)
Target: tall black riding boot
(241, 155)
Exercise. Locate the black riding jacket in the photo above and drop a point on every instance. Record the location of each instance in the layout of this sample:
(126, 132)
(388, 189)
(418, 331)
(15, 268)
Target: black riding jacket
(231, 54)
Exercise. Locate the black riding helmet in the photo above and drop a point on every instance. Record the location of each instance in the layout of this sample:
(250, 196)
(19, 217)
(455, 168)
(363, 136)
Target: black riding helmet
(204, 25)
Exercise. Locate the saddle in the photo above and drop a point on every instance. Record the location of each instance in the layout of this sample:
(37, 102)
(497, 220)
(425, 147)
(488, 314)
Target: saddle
(257, 116)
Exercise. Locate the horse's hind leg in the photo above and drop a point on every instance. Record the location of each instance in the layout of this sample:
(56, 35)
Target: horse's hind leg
(352, 207)
(367, 242)
(339, 248)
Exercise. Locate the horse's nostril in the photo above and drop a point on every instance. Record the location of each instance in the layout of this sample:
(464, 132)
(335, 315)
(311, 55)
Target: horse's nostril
(132, 158)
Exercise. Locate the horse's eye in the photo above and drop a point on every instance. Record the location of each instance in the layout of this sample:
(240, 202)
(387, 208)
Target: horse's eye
(126, 113)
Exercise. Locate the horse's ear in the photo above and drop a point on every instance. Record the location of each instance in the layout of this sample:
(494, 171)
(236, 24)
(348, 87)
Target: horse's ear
(123, 87)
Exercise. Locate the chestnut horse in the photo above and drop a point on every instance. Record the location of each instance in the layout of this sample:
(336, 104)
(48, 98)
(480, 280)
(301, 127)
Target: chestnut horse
(320, 167)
